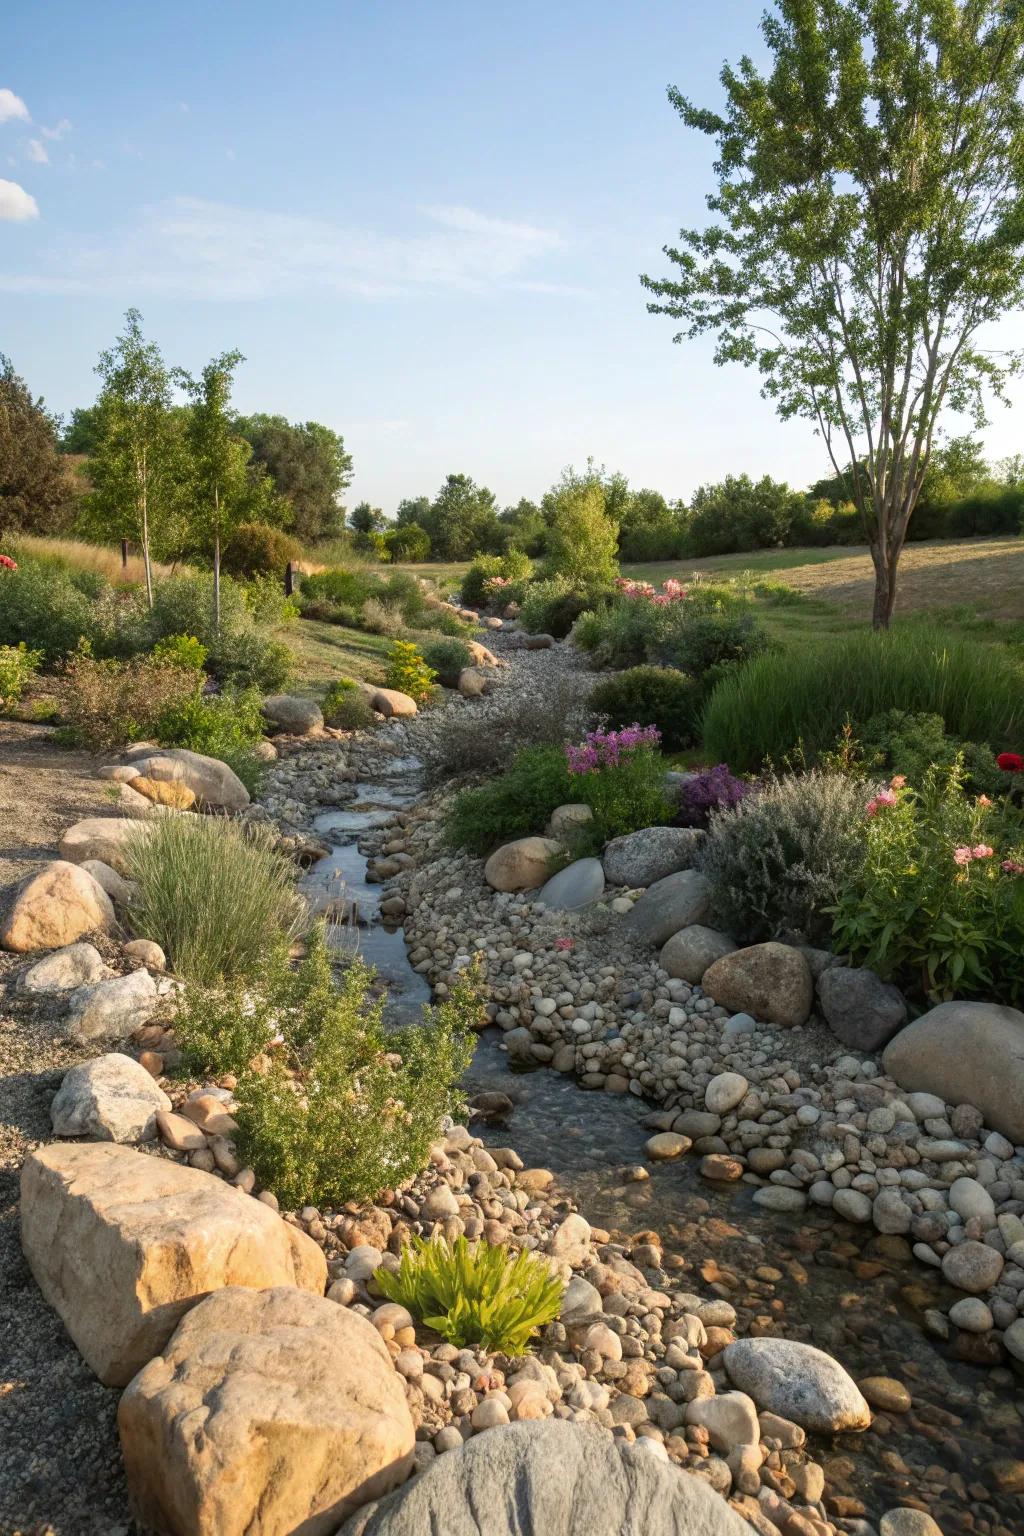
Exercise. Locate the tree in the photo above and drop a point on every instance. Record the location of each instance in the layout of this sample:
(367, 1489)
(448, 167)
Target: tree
(869, 223)
(649, 529)
(523, 527)
(461, 521)
(365, 519)
(133, 465)
(740, 514)
(414, 509)
(82, 431)
(582, 539)
(37, 493)
(310, 469)
(408, 542)
(218, 460)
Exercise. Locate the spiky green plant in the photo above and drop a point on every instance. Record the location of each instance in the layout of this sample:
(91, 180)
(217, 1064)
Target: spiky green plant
(473, 1293)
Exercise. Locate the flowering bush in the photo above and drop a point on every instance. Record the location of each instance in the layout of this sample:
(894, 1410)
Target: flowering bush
(620, 775)
(710, 790)
(938, 903)
(1010, 762)
(408, 672)
(672, 591)
(658, 696)
(7, 564)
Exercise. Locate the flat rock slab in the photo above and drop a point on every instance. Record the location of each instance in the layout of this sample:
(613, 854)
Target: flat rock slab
(550, 1478)
(122, 1245)
(268, 1411)
(54, 908)
(111, 1098)
(797, 1382)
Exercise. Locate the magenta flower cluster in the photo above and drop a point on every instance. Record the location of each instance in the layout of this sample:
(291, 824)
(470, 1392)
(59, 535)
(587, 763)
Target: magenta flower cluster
(710, 790)
(672, 592)
(606, 749)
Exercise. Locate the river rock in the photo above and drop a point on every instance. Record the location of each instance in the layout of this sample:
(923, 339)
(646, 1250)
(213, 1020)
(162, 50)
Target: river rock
(640, 858)
(393, 704)
(122, 1245)
(797, 1382)
(972, 1267)
(215, 786)
(106, 838)
(771, 981)
(551, 1478)
(522, 865)
(111, 1098)
(576, 886)
(678, 901)
(908, 1522)
(730, 1419)
(114, 1009)
(969, 1053)
(471, 683)
(272, 1411)
(54, 907)
(690, 952)
(294, 716)
(567, 821)
(116, 886)
(861, 1009)
(972, 1200)
(724, 1092)
(78, 965)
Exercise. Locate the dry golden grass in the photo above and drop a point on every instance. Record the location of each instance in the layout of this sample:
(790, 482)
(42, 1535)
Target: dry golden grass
(104, 559)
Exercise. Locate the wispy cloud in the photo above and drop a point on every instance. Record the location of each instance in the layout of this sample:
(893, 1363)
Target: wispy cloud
(212, 250)
(16, 204)
(58, 131)
(12, 107)
(37, 152)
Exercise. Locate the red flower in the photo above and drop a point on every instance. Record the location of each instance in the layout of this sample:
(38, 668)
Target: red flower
(1010, 762)
(7, 563)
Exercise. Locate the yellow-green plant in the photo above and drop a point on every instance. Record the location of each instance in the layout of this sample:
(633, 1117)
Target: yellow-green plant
(18, 665)
(408, 672)
(473, 1293)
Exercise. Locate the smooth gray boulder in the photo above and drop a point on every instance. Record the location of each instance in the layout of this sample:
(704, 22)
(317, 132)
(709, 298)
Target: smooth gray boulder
(550, 1478)
(797, 1382)
(861, 1009)
(215, 786)
(287, 712)
(676, 902)
(112, 1010)
(640, 858)
(690, 952)
(966, 1053)
(577, 885)
(111, 1098)
(76, 965)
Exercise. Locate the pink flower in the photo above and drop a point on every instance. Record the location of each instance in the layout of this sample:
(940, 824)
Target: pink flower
(565, 944)
(897, 781)
(984, 800)
(1012, 867)
(961, 856)
(982, 851)
(885, 797)
(7, 563)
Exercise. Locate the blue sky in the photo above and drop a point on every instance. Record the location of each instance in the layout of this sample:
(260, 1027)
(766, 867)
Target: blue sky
(422, 223)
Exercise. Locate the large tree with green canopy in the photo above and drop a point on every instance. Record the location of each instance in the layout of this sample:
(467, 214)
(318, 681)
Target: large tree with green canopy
(868, 227)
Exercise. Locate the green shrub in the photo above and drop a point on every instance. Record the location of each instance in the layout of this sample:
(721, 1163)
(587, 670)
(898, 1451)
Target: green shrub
(475, 1294)
(181, 651)
(701, 643)
(41, 605)
(780, 859)
(937, 902)
(551, 607)
(18, 665)
(447, 658)
(408, 672)
(658, 696)
(622, 633)
(239, 652)
(349, 1107)
(408, 542)
(348, 588)
(582, 540)
(346, 706)
(765, 709)
(215, 894)
(267, 604)
(379, 618)
(106, 705)
(226, 726)
(256, 549)
(244, 658)
(910, 744)
(513, 567)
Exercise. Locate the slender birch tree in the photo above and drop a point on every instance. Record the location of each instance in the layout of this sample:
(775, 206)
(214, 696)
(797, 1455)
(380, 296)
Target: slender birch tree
(218, 459)
(868, 232)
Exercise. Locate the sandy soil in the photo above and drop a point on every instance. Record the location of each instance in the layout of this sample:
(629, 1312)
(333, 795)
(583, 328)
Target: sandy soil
(42, 790)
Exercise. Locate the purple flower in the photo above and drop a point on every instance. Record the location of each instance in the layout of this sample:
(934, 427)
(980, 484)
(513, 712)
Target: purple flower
(605, 749)
(710, 790)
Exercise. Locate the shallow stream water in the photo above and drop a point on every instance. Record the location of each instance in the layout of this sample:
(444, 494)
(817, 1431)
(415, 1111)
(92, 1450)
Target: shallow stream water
(857, 1295)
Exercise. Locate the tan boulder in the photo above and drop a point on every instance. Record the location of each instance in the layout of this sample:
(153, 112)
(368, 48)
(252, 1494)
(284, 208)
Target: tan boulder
(522, 865)
(122, 1245)
(472, 684)
(215, 786)
(55, 907)
(769, 981)
(480, 655)
(172, 792)
(268, 1411)
(106, 838)
(393, 704)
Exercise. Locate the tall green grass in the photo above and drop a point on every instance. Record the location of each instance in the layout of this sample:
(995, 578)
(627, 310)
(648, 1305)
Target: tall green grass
(777, 702)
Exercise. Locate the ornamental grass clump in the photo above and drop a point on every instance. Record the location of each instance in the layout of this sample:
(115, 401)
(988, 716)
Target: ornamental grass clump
(475, 1294)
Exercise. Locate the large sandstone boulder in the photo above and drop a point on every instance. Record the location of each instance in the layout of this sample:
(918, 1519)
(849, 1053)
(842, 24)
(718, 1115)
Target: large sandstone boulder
(640, 858)
(668, 905)
(294, 716)
(393, 704)
(798, 1382)
(860, 1008)
(106, 838)
(522, 865)
(171, 794)
(114, 1009)
(268, 1411)
(472, 684)
(769, 981)
(551, 1478)
(111, 1098)
(215, 786)
(53, 908)
(122, 1245)
(691, 951)
(966, 1053)
(575, 886)
(79, 965)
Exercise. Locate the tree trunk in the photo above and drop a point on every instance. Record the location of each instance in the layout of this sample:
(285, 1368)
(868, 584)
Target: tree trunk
(145, 555)
(885, 562)
(216, 583)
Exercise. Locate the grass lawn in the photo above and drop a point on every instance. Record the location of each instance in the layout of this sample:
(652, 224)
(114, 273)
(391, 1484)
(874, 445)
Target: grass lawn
(324, 652)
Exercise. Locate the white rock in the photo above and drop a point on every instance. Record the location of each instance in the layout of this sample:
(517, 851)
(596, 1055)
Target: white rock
(111, 1098)
(724, 1092)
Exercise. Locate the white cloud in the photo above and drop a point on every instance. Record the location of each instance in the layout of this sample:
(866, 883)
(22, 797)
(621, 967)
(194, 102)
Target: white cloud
(218, 251)
(11, 107)
(37, 152)
(15, 203)
(58, 131)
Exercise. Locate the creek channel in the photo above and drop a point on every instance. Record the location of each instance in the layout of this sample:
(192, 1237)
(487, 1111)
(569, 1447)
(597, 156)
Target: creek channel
(958, 1452)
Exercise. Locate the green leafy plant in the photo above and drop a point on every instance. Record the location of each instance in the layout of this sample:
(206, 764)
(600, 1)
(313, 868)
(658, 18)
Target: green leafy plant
(226, 726)
(514, 804)
(552, 606)
(18, 666)
(108, 704)
(910, 744)
(408, 672)
(346, 706)
(256, 549)
(649, 695)
(446, 659)
(473, 1293)
(181, 651)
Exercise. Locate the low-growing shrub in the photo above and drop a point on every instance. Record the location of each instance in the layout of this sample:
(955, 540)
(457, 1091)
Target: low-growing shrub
(762, 711)
(349, 1107)
(480, 587)
(181, 651)
(240, 652)
(226, 726)
(408, 672)
(475, 1294)
(42, 605)
(910, 744)
(106, 705)
(257, 549)
(348, 588)
(267, 604)
(778, 861)
(18, 666)
(246, 658)
(346, 706)
(552, 607)
(648, 695)
(486, 742)
(703, 643)
(937, 902)
(214, 894)
(379, 618)
(708, 791)
(513, 805)
(447, 658)
(621, 776)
